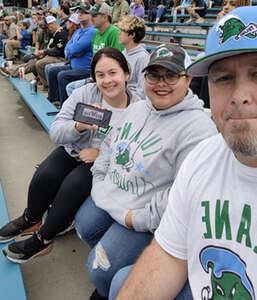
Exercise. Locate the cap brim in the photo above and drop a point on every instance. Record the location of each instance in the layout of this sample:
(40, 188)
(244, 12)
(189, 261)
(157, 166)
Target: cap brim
(200, 67)
(171, 67)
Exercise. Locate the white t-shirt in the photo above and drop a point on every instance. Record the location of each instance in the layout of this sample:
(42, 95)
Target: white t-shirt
(211, 222)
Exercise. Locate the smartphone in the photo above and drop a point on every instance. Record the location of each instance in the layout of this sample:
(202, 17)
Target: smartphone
(52, 113)
(89, 114)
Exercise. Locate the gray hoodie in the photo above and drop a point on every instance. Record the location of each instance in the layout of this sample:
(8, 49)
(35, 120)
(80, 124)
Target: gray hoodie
(63, 131)
(141, 156)
(138, 59)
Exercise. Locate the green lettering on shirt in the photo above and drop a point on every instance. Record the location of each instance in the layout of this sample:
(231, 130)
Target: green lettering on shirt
(244, 227)
(222, 220)
(125, 131)
(206, 219)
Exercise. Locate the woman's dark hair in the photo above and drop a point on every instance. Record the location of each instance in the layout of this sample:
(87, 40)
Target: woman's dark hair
(111, 53)
(66, 9)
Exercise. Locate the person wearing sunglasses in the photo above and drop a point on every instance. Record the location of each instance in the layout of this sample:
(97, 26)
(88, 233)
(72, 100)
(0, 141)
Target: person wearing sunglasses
(137, 165)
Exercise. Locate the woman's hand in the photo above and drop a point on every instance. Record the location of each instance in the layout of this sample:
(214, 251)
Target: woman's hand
(128, 219)
(82, 127)
(88, 155)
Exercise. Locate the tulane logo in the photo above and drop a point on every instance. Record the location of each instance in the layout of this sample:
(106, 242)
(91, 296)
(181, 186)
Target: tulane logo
(163, 52)
(232, 26)
(122, 157)
(228, 276)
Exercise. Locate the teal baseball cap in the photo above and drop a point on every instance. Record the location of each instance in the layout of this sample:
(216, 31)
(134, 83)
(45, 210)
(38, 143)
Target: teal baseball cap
(235, 33)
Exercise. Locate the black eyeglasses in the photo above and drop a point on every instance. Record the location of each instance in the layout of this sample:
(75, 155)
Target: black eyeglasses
(169, 78)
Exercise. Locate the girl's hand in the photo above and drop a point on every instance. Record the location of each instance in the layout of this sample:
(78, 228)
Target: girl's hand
(128, 219)
(88, 155)
(82, 127)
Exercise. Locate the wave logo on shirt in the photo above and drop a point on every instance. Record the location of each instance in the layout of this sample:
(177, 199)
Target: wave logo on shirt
(122, 157)
(233, 26)
(229, 279)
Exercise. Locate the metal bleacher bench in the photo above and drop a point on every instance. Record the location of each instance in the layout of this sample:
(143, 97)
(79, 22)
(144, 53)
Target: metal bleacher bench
(11, 282)
(38, 103)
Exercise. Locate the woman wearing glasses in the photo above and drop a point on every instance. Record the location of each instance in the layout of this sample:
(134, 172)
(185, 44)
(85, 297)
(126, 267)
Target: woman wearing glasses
(137, 165)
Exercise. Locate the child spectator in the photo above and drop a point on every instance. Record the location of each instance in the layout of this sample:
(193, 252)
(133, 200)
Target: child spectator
(23, 39)
(132, 31)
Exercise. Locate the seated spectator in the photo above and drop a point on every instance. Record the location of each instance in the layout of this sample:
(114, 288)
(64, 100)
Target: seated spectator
(52, 54)
(157, 9)
(63, 14)
(106, 35)
(30, 60)
(132, 31)
(208, 230)
(79, 52)
(8, 30)
(137, 9)
(197, 11)
(23, 40)
(33, 28)
(137, 165)
(63, 179)
(119, 10)
(181, 7)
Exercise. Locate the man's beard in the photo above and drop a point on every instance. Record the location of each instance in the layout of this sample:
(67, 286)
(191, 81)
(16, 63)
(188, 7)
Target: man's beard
(241, 140)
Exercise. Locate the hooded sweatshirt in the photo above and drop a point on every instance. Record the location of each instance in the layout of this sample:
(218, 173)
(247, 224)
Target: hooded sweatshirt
(63, 131)
(141, 156)
(138, 59)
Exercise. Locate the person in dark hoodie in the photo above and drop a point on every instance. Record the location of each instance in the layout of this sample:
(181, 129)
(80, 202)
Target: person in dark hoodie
(63, 179)
(137, 165)
(132, 31)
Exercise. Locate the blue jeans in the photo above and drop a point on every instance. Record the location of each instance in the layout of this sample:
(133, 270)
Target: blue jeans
(2, 37)
(74, 85)
(113, 245)
(157, 13)
(51, 71)
(65, 77)
(58, 78)
(120, 277)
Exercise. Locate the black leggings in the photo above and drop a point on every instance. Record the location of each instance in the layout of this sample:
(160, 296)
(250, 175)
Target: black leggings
(62, 182)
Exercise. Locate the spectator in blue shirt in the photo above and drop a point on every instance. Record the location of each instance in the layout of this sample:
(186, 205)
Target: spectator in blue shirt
(79, 51)
(23, 40)
(137, 9)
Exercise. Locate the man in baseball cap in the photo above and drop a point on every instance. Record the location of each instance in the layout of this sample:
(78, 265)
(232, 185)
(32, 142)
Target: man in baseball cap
(207, 232)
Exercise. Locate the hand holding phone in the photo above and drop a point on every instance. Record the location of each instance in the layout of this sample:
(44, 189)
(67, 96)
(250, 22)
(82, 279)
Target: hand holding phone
(89, 114)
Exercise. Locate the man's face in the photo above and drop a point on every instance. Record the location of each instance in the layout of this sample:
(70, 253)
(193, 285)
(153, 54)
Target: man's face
(83, 17)
(163, 95)
(52, 27)
(98, 20)
(233, 86)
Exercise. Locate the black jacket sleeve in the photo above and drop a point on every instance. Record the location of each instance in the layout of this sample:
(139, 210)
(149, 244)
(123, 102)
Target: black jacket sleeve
(57, 44)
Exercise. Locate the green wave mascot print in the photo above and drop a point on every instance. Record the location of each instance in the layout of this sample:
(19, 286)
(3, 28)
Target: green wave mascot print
(228, 275)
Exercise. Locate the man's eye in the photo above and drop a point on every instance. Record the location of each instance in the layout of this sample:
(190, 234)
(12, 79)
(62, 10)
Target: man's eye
(223, 78)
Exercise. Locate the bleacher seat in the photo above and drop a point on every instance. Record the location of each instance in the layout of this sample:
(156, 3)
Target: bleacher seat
(11, 282)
